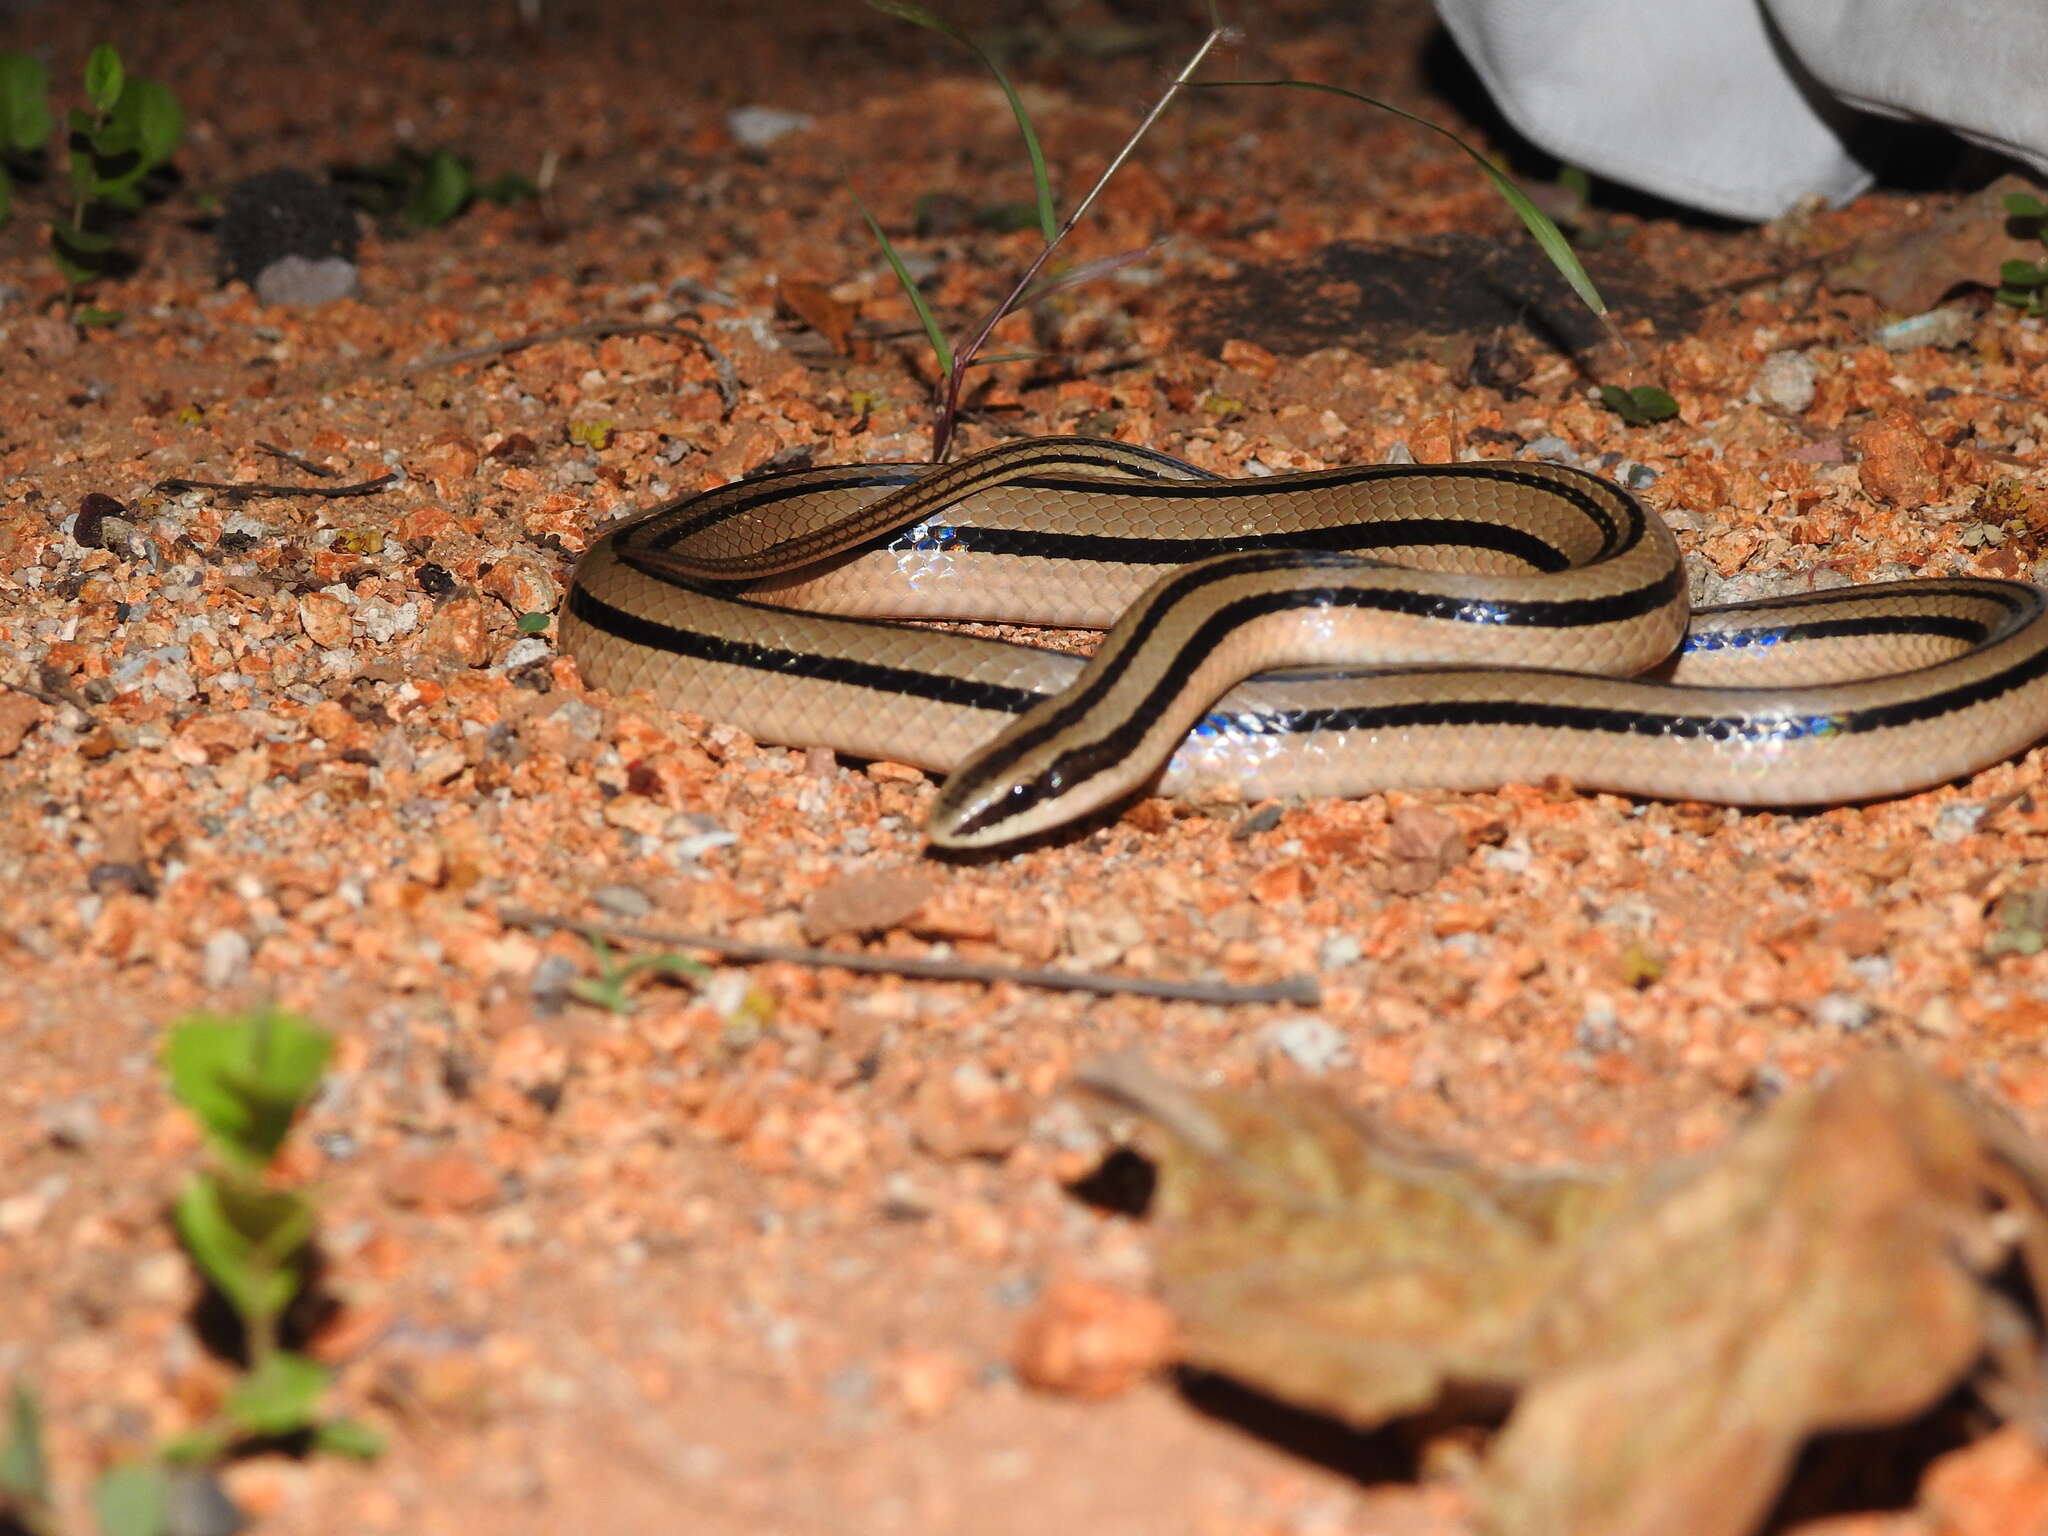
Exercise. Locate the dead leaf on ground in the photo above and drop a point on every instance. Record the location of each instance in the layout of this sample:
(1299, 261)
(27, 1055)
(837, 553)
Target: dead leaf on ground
(1670, 1338)
(813, 305)
(1914, 270)
(871, 901)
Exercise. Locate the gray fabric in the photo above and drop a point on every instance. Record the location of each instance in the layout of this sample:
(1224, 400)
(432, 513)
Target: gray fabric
(1743, 107)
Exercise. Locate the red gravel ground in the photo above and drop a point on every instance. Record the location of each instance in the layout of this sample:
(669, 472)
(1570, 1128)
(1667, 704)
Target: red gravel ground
(785, 1251)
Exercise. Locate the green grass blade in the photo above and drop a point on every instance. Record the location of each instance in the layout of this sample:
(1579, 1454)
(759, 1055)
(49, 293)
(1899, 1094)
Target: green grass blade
(1048, 217)
(941, 348)
(1547, 234)
(917, 15)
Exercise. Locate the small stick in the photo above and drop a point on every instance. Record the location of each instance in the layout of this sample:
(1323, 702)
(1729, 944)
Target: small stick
(586, 331)
(243, 489)
(53, 696)
(303, 464)
(728, 383)
(1289, 989)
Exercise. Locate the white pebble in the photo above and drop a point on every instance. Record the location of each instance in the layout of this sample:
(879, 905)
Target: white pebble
(1313, 1044)
(1785, 381)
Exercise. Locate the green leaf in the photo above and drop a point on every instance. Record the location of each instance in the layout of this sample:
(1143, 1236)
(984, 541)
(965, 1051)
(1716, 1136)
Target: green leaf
(92, 315)
(152, 119)
(104, 78)
(941, 348)
(2022, 274)
(246, 1077)
(347, 1437)
(197, 1447)
(1547, 234)
(24, 104)
(83, 255)
(441, 192)
(280, 1397)
(1640, 406)
(2024, 205)
(917, 15)
(132, 1500)
(24, 1475)
(535, 623)
(245, 1240)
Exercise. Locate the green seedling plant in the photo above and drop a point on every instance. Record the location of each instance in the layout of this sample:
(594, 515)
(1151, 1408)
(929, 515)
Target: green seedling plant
(245, 1079)
(425, 190)
(2024, 284)
(114, 146)
(611, 988)
(131, 128)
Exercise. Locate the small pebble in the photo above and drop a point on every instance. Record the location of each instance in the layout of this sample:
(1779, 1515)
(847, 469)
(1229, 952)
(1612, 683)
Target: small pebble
(1599, 1028)
(1843, 1011)
(1313, 1044)
(306, 281)
(1785, 381)
(759, 127)
(1946, 327)
(625, 901)
(225, 959)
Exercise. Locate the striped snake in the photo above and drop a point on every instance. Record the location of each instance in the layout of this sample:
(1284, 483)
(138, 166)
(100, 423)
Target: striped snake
(1535, 615)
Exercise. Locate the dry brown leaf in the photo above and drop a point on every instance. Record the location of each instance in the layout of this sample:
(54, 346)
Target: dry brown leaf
(815, 307)
(1670, 1337)
(1914, 271)
(869, 902)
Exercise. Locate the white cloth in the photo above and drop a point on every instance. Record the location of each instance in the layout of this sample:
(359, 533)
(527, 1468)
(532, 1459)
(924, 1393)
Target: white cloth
(1743, 107)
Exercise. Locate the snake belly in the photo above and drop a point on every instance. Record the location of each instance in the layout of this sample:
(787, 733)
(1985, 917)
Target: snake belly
(1321, 632)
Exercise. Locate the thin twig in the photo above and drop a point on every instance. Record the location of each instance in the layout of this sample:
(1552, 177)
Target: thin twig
(586, 331)
(304, 465)
(242, 489)
(1289, 989)
(53, 697)
(949, 409)
(726, 380)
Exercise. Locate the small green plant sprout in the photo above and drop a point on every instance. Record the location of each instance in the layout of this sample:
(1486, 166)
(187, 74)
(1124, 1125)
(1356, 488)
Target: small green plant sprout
(610, 988)
(244, 1079)
(953, 362)
(1641, 406)
(129, 128)
(2024, 284)
(425, 190)
(24, 121)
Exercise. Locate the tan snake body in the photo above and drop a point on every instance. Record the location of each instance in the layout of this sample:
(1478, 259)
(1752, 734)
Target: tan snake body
(1516, 603)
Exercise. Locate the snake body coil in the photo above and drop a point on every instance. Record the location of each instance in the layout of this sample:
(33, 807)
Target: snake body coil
(1534, 617)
